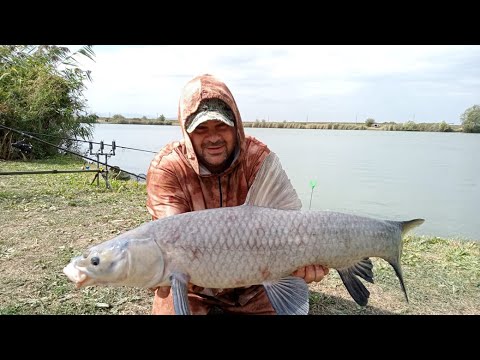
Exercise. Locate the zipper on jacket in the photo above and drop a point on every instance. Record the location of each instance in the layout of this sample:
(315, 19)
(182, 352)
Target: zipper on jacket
(220, 188)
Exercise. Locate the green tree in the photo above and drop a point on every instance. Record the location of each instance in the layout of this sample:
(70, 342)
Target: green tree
(369, 122)
(41, 91)
(118, 117)
(409, 126)
(444, 127)
(471, 119)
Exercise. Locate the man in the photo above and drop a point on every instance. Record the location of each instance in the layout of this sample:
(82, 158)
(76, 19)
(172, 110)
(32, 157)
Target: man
(213, 166)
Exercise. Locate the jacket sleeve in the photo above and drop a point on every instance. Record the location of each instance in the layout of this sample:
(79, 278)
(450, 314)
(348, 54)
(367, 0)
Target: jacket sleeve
(165, 196)
(256, 154)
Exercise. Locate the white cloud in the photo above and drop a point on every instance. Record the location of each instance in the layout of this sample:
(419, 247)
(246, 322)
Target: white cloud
(289, 81)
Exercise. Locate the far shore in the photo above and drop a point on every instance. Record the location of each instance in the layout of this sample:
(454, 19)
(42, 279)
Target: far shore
(367, 125)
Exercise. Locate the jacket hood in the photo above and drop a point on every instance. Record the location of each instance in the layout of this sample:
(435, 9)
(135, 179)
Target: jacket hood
(195, 91)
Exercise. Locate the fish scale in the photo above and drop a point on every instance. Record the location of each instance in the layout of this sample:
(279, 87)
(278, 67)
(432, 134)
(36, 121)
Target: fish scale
(248, 241)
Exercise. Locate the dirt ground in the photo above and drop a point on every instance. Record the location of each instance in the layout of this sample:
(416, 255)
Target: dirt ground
(47, 219)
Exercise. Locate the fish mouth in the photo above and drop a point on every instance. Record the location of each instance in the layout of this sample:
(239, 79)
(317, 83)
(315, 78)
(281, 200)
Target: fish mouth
(82, 283)
(75, 275)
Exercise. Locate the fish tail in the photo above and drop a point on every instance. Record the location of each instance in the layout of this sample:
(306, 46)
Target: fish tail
(410, 224)
(363, 268)
(398, 271)
(395, 261)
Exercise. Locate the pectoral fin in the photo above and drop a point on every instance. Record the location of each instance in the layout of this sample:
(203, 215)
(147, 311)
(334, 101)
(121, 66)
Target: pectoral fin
(289, 296)
(179, 284)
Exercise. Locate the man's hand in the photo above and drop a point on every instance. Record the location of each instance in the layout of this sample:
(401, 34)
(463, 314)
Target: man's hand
(161, 291)
(311, 273)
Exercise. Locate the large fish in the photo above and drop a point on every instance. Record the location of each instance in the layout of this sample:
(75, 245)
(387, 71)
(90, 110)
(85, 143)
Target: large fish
(260, 242)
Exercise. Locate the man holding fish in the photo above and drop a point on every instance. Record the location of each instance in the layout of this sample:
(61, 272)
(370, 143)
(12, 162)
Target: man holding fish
(228, 231)
(213, 166)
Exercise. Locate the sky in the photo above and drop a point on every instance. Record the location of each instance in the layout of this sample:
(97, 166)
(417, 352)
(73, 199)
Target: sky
(339, 83)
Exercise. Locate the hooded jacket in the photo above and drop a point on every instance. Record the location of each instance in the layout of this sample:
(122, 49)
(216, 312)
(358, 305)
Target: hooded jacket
(176, 181)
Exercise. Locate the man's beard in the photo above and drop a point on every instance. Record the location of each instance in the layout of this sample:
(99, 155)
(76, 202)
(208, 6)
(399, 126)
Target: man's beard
(217, 168)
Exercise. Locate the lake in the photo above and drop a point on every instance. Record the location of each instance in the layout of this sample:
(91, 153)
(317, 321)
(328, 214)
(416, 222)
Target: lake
(391, 175)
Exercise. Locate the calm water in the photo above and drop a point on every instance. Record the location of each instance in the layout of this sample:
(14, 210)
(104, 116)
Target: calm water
(391, 175)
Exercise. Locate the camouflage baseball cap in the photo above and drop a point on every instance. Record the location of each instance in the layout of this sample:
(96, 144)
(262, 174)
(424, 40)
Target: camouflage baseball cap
(210, 109)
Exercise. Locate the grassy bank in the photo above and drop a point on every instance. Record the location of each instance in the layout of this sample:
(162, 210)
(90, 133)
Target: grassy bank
(47, 219)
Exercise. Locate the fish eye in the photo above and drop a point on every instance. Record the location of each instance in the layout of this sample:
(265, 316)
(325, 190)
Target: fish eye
(95, 260)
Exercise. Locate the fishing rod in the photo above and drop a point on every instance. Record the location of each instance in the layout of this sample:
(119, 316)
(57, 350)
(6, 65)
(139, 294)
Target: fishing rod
(93, 142)
(46, 172)
(66, 150)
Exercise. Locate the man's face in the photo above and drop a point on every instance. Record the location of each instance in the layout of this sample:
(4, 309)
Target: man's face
(214, 142)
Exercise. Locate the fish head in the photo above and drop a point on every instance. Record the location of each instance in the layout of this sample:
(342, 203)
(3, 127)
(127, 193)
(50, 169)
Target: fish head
(106, 263)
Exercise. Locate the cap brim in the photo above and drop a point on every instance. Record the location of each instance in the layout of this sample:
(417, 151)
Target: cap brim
(206, 116)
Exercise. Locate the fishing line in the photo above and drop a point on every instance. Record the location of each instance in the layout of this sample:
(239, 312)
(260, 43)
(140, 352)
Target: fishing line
(93, 142)
(66, 150)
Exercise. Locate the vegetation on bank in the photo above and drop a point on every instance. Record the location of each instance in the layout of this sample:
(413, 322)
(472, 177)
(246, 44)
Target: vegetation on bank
(47, 219)
(41, 93)
(120, 119)
(390, 126)
(470, 123)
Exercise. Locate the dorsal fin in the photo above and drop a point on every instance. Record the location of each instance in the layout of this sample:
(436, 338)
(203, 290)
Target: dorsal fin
(272, 188)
